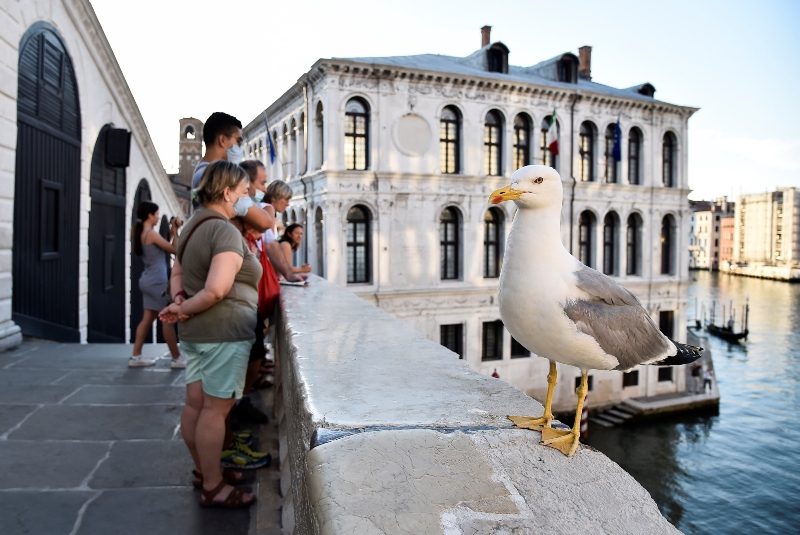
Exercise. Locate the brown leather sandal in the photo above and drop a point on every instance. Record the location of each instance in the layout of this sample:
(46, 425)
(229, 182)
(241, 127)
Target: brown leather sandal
(234, 500)
(231, 477)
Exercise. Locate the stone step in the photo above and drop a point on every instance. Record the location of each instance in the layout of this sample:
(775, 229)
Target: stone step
(619, 414)
(613, 419)
(628, 408)
(601, 423)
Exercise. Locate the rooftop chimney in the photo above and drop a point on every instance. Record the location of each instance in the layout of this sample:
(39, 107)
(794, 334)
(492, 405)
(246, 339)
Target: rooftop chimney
(585, 67)
(486, 33)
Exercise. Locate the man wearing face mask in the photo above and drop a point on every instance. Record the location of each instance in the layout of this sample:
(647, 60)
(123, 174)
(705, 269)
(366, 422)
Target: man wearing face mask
(222, 135)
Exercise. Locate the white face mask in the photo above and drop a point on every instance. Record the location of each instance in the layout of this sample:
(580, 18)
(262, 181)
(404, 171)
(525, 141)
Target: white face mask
(235, 154)
(258, 196)
(241, 206)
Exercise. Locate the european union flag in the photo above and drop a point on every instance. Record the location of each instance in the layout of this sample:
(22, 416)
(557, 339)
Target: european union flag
(616, 152)
(271, 145)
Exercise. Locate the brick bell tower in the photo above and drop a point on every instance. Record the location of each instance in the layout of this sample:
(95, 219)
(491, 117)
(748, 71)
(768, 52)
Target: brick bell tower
(190, 150)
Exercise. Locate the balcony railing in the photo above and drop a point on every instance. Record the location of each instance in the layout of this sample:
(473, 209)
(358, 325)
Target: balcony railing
(384, 431)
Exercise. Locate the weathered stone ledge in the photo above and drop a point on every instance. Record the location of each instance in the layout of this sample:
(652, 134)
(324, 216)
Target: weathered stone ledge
(384, 431)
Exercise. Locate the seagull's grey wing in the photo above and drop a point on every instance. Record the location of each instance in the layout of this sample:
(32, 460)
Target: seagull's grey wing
(617, 321)
(603, 287)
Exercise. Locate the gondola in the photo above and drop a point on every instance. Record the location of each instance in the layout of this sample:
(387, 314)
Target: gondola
(725, 333)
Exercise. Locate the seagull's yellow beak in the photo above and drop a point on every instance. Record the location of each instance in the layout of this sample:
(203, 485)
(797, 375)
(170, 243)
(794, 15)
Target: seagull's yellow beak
(504, 194)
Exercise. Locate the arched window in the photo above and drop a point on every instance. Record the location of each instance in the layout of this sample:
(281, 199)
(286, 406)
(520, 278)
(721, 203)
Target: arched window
(359, 251)
(668, 155)
(586, 151)
(522, 141)
(548, 156)
(634, 150)
(492, 144)
(190, 132)
(634, 245)
(611, 162)
(668, 245)
(356, 135)
(492, 252)
(449, 223)
(449, 140)
(293, 167)
(586, 226)
(285, 156)
(610, 244)
(319, 236)
(319, 141)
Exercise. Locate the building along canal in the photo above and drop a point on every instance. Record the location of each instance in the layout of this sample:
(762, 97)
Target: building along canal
(736, 471)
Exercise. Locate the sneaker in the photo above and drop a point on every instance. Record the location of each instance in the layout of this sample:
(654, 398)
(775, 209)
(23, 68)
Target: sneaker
(243, 448)
(178, 363)
(245, 412)
(140, 362)
(243, 437)
(236, 459)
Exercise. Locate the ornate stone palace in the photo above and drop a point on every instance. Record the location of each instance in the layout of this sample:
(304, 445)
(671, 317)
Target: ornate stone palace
(392, 160)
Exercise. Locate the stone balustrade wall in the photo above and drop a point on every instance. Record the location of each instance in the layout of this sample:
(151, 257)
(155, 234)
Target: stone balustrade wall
(384, 431)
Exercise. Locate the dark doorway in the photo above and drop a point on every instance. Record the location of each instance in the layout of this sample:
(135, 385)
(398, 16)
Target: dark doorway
(47, 189)
(107, 238)
(137, 265)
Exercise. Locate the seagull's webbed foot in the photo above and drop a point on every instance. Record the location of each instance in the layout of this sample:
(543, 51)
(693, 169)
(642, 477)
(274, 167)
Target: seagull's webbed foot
(546, 420)
(567, 441)
(529, 422)
(564, 441)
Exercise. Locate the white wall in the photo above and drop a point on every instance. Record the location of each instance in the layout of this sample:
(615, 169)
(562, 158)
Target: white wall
(104, 98)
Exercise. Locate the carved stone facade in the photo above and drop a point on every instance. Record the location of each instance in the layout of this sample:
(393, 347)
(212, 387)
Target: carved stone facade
(405, 192)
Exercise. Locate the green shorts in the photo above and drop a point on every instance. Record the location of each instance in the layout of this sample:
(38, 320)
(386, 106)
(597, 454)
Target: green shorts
(221, 366)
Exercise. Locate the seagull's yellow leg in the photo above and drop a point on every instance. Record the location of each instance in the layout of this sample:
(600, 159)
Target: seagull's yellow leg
(528, 422)
(568, 443)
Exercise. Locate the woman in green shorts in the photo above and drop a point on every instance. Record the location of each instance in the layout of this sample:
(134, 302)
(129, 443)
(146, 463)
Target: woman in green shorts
(214, 288)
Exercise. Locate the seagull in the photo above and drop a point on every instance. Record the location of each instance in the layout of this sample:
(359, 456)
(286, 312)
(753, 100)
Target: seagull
(564, 311)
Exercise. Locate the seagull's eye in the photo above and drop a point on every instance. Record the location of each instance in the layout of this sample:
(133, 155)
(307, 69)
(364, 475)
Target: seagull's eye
(538, 180)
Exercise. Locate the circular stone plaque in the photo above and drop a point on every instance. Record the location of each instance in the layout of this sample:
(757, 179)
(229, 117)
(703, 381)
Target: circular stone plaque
(413, 135)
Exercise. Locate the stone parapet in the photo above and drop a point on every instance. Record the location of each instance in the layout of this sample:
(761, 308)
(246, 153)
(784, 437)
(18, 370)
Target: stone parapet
(384, 431)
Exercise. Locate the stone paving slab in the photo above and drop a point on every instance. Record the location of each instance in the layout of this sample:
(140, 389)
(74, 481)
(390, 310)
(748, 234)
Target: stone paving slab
(127, 395)
(79, 429)
(27, 376)
(48, 465)
(23, 393)
(82, 422)
(11, 415)
(167, 464)
(171, 511)
(41, 513)
(124, 376)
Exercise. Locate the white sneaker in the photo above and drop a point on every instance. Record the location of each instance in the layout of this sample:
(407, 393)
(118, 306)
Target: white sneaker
(140, 362)
(178, 363)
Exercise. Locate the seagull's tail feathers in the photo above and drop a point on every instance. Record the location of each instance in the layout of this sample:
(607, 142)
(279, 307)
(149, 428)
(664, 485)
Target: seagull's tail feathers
(685, 355)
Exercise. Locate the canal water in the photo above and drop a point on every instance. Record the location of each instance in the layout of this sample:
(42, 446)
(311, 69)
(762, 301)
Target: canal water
(738, 471)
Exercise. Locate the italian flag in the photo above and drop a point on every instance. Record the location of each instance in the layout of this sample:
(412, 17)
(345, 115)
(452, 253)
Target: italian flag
(552, 135)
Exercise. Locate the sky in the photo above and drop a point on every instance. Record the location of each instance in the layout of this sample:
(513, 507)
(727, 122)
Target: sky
(739, 62)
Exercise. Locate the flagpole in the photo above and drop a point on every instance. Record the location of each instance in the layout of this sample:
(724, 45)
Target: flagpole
(273, 150)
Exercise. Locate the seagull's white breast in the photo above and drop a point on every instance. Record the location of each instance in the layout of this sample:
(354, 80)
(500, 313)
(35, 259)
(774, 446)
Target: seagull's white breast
(535, 283)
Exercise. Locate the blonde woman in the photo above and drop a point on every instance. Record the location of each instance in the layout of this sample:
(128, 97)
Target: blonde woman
(214, 286)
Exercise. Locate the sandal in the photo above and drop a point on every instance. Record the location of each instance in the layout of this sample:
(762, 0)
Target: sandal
(262, 383)
(231, 477)
(234, 500)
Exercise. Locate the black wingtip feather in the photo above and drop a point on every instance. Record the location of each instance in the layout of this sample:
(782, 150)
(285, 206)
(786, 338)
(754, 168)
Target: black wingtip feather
(685, 355)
